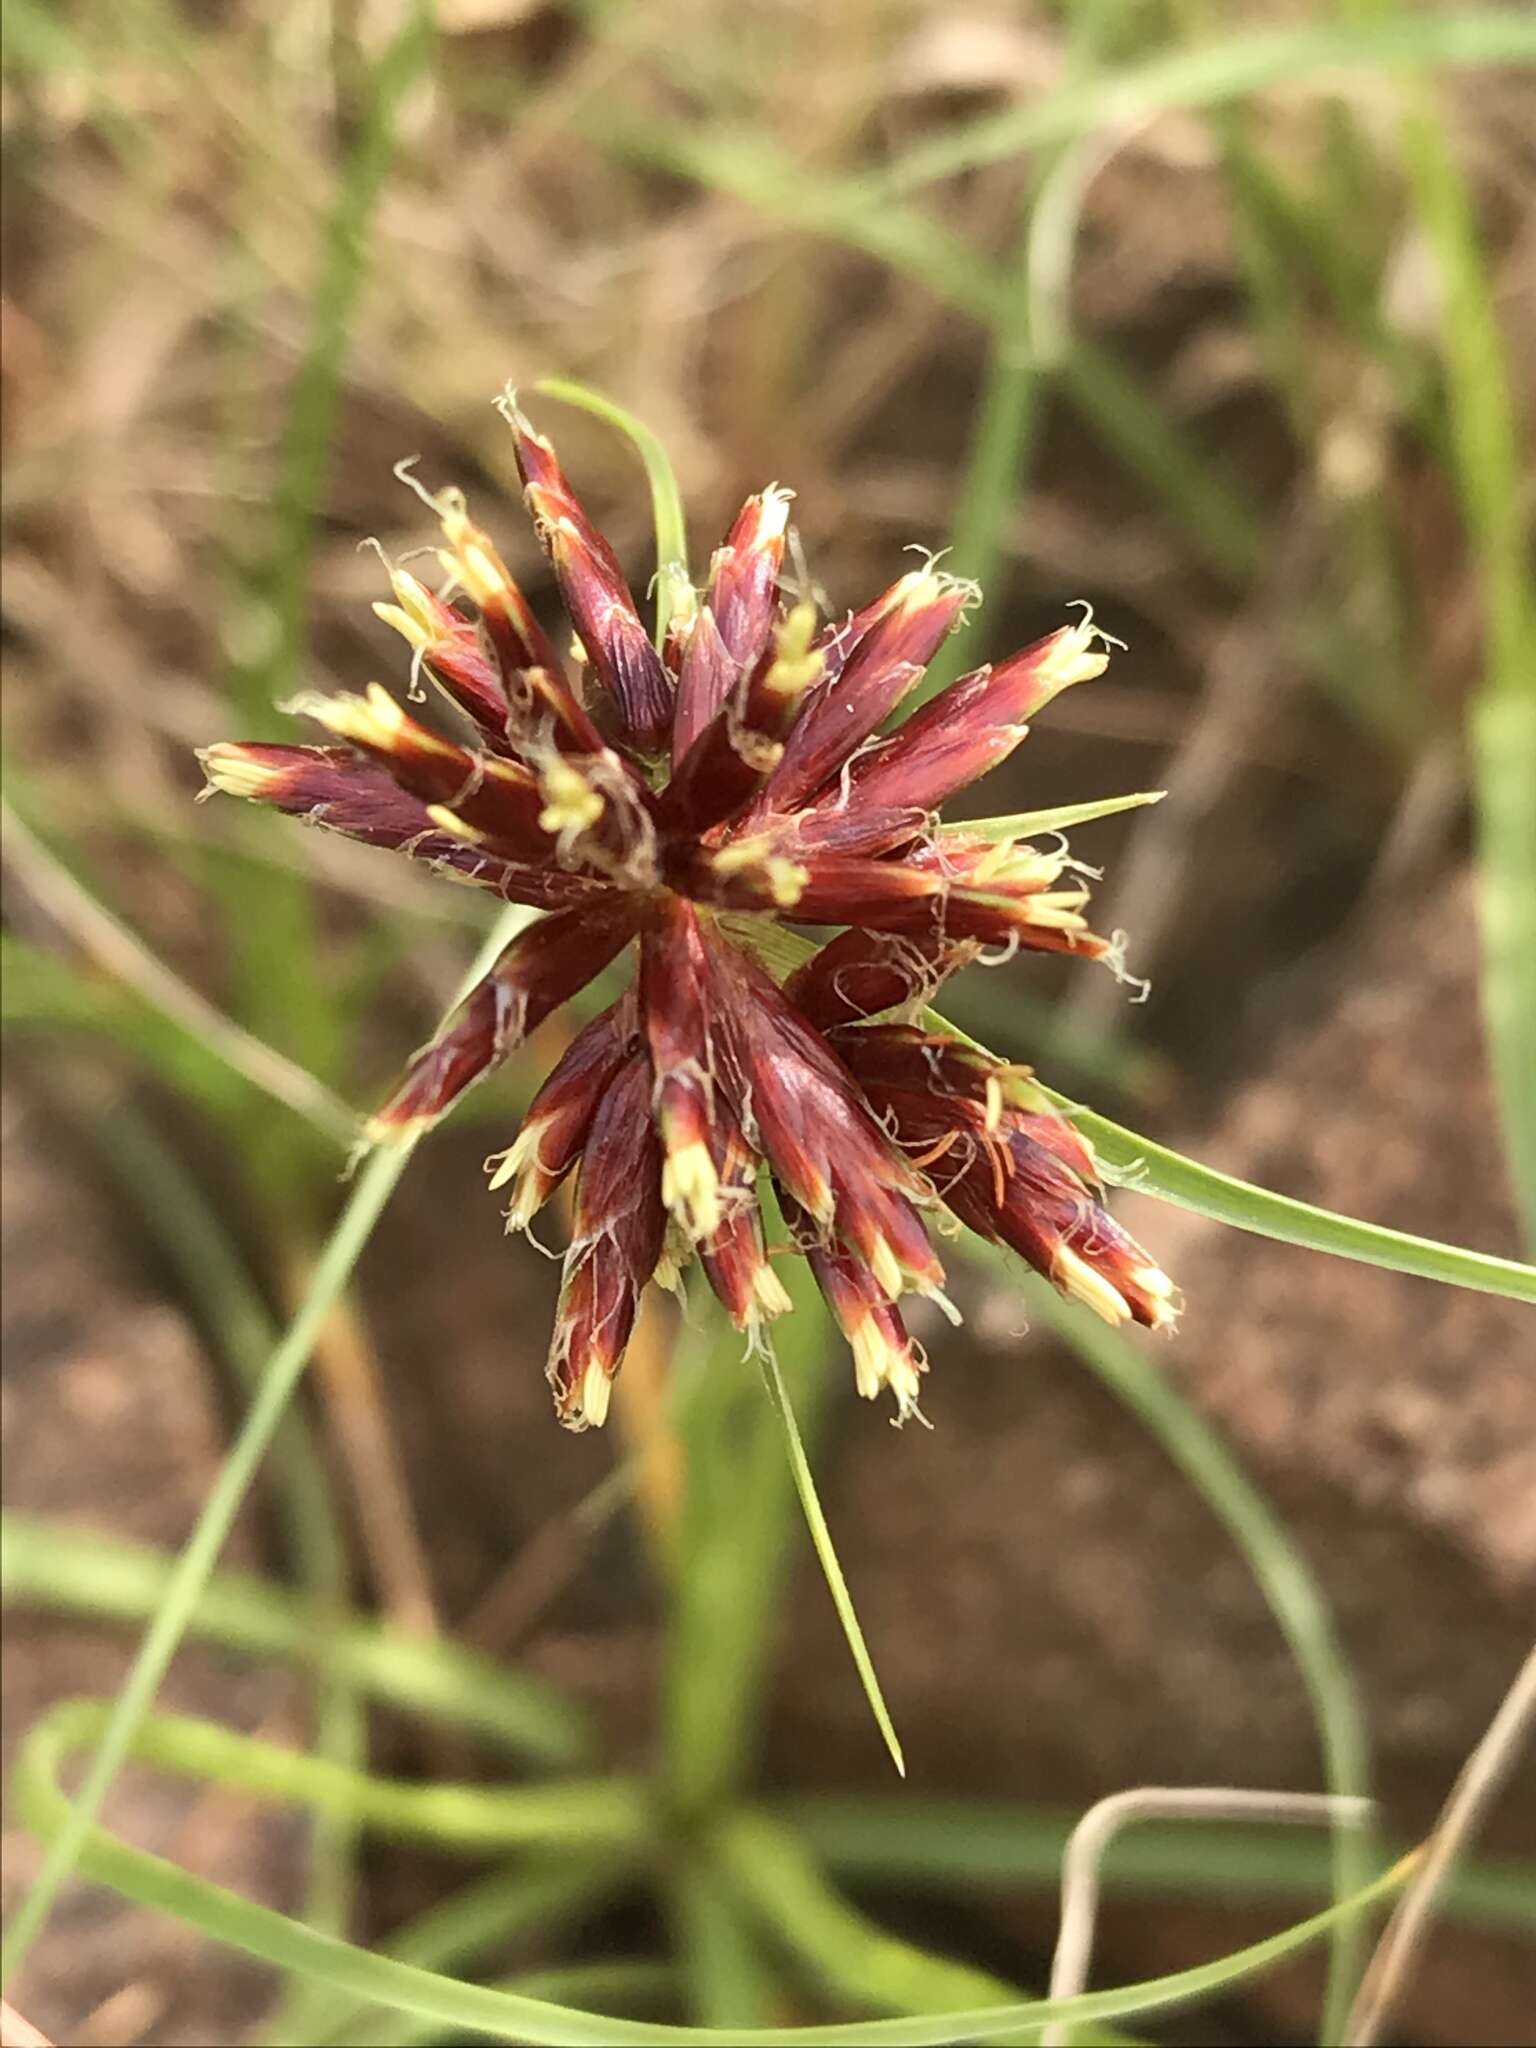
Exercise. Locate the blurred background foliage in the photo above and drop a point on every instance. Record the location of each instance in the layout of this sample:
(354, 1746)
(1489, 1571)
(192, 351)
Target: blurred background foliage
(1220, 319)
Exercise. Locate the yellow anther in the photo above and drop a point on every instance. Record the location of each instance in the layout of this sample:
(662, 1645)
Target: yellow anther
(455, 826)
(571, 804)
(1076, 655)
(690, 1188)
(1164, 1295)
(795, 666)
(885, 1268)
(994, 1110)
(410, 630)
(879, 1361)
(786, 880)
(1076, 1277)
(596, 1392)
(1061, 913)
(481, 574)
(231, 769)
(770, 1297)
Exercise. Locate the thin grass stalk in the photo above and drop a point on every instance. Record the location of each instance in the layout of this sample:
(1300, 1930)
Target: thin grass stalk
(281, 1375)
(216, 1279)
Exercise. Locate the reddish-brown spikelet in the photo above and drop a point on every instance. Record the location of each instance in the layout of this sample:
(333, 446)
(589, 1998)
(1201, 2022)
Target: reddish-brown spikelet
(616, 1241)
(777, 803)
(883, 1354)
(541, 969)
(596, 595)
(554, 1129)
(974, 724)
(842, 710)
(1019, 1176)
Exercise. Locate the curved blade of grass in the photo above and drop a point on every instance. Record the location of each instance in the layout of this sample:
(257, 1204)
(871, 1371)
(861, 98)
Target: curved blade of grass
(219, 1285)
(1154, 1169)
(826, 1553)
(843, 1951)
(372, 1189)
(1208, 76)
(915, 1844)
(610, 1815)
(674, 590)
(532, 1897)
(273, 1937)
(1058, 818)
(1294, 1597)
(608, 1985)
(64, 1570)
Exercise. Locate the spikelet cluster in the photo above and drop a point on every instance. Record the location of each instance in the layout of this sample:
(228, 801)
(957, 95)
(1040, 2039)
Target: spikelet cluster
(672, 803)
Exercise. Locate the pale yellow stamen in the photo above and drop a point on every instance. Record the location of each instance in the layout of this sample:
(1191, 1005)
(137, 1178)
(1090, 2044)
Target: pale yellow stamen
(795, 666)
(786, 878)
(234, 772)
(669, 1275)
(770, 1296)
(503, 1166)
(520, 1165)
(372, 720)
(1076, 1277)
(871, 1354)
(1163, 1294)
(1014, 860)
(412, 614)
(994, 1096)
(774, 516)
(1062, 912)
(571, 804)
(457, 828)
(879, 1361)
(1078, 654)
(886, 1269)
(416, 636)
(596, 1392)
(690, 1188)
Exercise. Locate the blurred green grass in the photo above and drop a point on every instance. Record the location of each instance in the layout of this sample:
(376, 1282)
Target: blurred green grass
(346, 264)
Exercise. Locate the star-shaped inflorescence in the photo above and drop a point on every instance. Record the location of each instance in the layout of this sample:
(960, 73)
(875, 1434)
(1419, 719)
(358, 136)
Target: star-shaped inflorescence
(682, 803)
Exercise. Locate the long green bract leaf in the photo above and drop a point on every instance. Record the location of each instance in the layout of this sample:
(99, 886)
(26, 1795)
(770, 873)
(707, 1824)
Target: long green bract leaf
(1058, 818)
(826, 1553)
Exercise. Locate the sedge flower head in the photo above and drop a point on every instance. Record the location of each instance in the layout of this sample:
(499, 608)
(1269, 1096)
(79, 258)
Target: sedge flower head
(677, 805)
